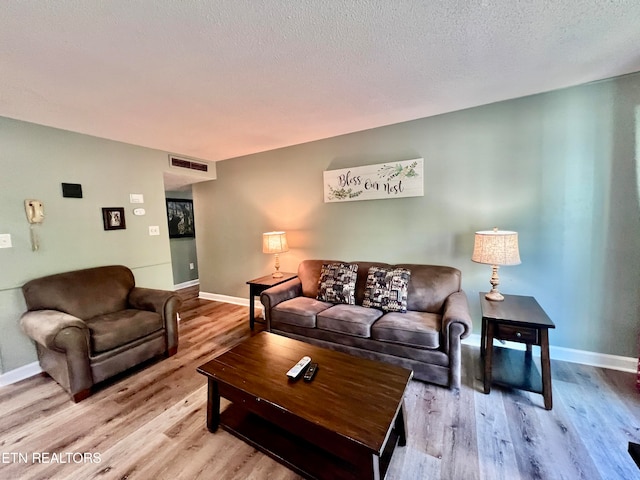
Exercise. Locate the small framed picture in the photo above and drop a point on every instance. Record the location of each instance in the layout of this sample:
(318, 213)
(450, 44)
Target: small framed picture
(113, 218)
(180, 218)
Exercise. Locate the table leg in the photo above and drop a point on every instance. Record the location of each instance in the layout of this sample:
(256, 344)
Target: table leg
(488, 357)
(483, 337)
(401, 425)
(213, 406)
(528, 358)
(546, 369)
(252, 301)
(375, 468)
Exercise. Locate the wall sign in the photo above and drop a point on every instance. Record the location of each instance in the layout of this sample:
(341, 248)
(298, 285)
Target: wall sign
(381, 181)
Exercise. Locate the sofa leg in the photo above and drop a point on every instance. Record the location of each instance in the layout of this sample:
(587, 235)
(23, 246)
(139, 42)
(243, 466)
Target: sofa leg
(81, 395)
(172, 351)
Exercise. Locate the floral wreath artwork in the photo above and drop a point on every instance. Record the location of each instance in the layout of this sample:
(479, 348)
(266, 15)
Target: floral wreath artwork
(370, 182)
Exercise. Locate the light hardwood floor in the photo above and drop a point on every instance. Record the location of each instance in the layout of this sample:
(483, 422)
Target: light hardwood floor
(150, 424)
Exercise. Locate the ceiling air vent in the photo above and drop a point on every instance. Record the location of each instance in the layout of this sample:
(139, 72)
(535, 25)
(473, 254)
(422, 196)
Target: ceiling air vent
(190, 164)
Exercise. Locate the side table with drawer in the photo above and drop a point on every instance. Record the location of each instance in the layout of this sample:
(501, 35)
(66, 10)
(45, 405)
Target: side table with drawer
(259, 285)
(516, 319)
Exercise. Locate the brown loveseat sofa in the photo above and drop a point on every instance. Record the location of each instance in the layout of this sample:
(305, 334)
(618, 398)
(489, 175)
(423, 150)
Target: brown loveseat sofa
(89, 325)
(426, 339)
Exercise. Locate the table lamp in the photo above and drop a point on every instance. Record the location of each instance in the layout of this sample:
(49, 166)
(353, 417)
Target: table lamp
(275, 242)
(496, 247)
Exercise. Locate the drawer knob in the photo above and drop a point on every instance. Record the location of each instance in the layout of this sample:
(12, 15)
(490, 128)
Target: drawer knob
(518, 334)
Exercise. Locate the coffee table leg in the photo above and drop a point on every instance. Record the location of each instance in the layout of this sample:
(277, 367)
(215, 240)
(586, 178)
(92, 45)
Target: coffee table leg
(401, 425)
(213, 406)
(375, 468)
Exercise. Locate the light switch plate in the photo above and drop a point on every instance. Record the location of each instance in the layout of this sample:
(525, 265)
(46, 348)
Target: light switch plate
(5, 240)
(136, 198)
(154, 230)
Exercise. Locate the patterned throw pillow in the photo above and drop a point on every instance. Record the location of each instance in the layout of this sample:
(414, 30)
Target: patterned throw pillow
(337, 283)
(386, 289)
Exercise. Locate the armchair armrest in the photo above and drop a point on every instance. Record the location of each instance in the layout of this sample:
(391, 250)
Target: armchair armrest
(46, 326)
(68, 335)
(150, 299)
(278, 294)
(456, 310)
(164, 302)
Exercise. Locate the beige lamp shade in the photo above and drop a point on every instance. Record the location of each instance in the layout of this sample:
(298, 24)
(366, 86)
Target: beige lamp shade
(274, 242)
(496, 247)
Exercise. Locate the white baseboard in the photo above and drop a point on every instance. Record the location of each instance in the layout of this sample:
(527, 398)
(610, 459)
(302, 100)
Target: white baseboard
(190, 283)
(594, 359)
(20, 373)
(216, 297)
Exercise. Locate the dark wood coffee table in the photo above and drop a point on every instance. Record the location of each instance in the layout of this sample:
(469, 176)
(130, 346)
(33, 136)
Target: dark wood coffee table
(344, 424)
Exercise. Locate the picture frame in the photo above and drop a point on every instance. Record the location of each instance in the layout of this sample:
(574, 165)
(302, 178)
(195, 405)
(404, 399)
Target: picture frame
(180, 218)
(113, 218)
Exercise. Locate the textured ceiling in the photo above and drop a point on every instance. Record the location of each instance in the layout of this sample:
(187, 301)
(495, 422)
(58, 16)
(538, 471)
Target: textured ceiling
(219, 79)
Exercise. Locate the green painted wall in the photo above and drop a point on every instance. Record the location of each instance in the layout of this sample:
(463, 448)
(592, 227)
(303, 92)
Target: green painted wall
(560, 168)
(34, 161)
(183, 250)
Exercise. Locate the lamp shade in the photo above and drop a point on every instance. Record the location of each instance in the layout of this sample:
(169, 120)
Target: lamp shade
(274, 242)
(496, 247)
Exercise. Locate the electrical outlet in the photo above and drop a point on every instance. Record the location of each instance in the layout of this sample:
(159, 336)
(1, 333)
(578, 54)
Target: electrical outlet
(191, 266)
(154, 230)
(5, 240)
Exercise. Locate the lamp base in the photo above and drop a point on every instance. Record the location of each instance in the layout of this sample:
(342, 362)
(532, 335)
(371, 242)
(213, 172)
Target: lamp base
(494, 296)
(277, 273)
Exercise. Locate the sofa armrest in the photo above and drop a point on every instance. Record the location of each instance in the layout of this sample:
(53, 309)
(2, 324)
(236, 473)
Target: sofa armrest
(278, 294)
(164, 302)
(456, 310)
(47, 327)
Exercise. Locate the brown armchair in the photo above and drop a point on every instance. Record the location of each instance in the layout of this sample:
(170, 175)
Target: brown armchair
(89, 325)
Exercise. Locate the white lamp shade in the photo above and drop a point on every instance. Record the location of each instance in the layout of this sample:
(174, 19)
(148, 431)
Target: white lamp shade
(496, 247)
(274, 242)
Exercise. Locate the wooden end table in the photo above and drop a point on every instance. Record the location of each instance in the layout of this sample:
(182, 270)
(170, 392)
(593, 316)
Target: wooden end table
(516, 319)
(259, 285)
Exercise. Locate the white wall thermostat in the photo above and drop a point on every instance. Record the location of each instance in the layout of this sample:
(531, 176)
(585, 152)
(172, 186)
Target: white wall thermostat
(139, 211)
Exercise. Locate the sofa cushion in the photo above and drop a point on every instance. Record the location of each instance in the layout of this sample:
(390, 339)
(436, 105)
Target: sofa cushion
(386, 289)
(349, 319)
(300, 311)
(337, 283)
(119, 328)
(417, 329)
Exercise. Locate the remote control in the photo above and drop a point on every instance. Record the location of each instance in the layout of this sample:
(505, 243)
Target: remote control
(311, 371)
(298, 368)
